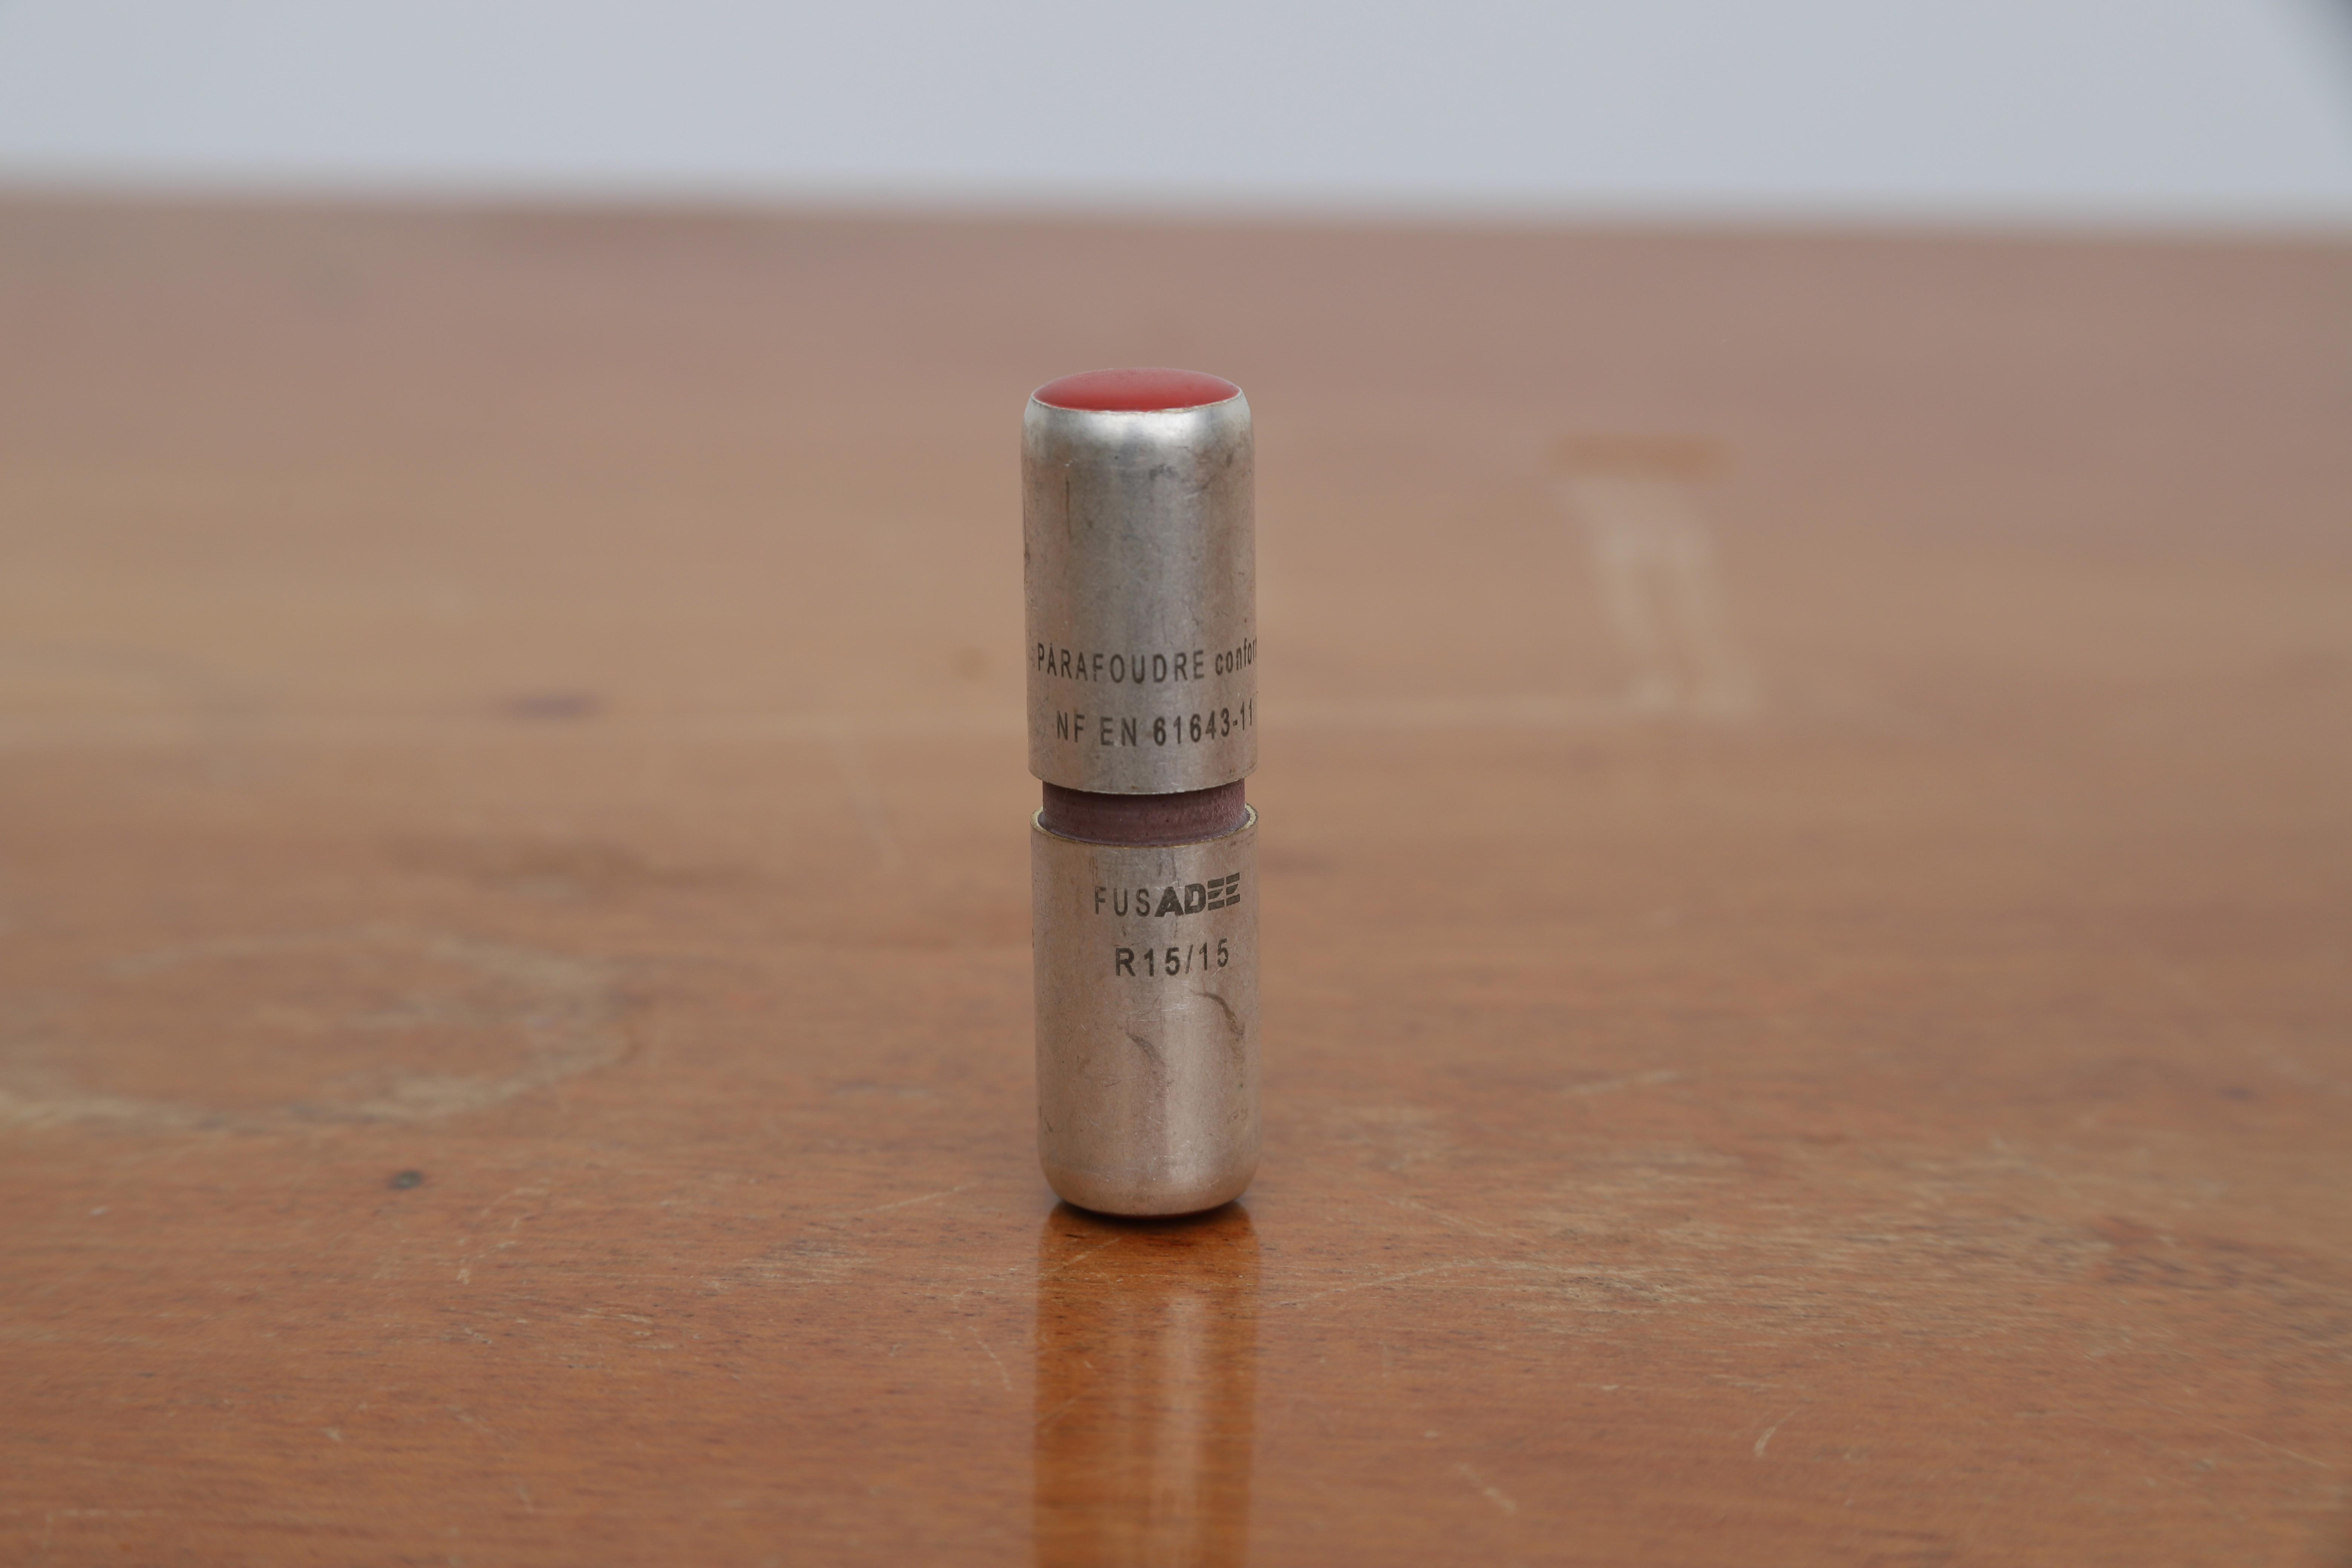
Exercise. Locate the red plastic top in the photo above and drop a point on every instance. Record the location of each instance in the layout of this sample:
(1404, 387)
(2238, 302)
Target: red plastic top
(1141, 391)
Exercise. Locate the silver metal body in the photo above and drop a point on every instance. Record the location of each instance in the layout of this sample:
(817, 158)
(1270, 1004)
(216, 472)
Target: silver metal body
(1139, 536)
(1146, 966)
(1140, 548)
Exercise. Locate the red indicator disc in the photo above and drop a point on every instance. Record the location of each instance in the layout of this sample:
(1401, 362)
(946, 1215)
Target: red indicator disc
(1141, 391)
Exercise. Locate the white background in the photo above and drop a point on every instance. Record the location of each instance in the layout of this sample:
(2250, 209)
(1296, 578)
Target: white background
(2171, 111)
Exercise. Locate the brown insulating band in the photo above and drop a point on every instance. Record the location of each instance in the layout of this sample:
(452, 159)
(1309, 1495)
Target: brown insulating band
(1180, 818)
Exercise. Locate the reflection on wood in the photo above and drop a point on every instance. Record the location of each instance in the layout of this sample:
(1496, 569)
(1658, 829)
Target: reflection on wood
(1654, 561)
(1146, 1389)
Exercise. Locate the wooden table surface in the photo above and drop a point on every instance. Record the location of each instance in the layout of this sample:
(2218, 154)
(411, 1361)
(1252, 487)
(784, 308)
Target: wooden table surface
(1806, 900)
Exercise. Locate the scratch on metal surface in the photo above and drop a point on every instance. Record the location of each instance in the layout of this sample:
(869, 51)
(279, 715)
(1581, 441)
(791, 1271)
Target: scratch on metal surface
(1233, 1022)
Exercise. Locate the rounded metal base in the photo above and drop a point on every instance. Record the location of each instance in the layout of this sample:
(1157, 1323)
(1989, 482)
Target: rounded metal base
(1083, 1189)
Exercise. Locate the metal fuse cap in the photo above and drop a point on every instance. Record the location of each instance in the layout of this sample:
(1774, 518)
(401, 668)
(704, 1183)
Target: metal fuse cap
(1139, 539)
(1139, 551)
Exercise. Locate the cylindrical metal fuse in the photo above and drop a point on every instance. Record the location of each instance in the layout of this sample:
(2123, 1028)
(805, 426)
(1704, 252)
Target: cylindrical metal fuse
(1138, 540)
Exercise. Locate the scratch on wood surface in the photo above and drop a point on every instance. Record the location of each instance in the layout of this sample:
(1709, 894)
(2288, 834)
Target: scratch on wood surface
(1776, 1425)
(1632, 1080)
(1003, 1375)
(1043, 1274)
(2163, 1448)
(1390, 1279)
(1493, 1494)
(1618, 1279)
(484, 1212)
(1072, 1262)
(2273, 1447)
(18, 1111)
(1471, 1226)
(556, 1016)
(2244, 1436)
(921, 1198)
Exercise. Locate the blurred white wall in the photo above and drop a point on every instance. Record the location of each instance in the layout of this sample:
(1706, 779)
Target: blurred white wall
(2231, 112)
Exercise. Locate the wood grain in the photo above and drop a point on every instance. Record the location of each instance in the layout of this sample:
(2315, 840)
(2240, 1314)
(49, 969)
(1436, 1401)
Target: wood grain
(1808, 874)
